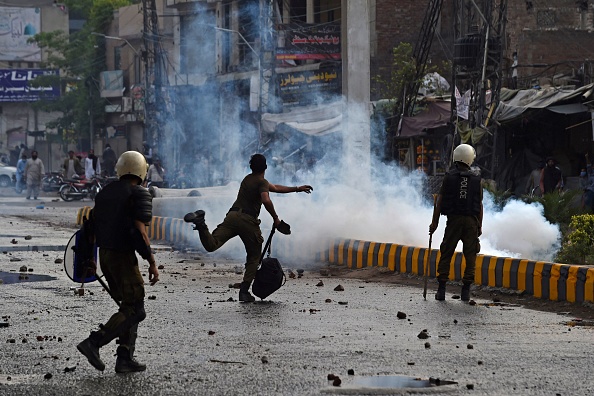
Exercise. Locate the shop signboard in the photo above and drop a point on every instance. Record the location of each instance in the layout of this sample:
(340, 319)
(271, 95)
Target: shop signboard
(17, 26)
(309, 41)
(309, 86)
(16, 85)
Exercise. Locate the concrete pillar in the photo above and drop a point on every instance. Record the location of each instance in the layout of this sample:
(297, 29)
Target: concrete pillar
(356, 90)
(309, 13)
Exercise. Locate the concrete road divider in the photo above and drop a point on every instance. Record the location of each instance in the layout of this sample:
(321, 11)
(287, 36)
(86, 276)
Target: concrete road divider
(557, 282)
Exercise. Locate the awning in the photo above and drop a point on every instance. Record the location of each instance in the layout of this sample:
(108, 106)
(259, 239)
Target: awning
(514, 103)
(434, 115)
(571, 108)
(315, 120)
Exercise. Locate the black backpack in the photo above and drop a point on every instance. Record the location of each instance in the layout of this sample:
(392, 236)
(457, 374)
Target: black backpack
(270, 276)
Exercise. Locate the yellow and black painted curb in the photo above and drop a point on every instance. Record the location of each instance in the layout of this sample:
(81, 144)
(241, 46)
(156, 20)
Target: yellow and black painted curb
(557, 282)
(160, 228)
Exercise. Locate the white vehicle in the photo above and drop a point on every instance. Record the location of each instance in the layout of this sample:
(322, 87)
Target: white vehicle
(7, 175)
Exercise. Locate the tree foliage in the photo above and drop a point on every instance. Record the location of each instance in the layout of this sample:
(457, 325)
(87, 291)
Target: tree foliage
(578, 243)
(402, 70)
(80, 57)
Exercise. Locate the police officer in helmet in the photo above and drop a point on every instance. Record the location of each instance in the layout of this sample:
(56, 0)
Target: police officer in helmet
(122, 211)
(461, 200)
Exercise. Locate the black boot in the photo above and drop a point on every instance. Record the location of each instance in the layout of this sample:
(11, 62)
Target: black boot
(244, 292)
(125, 363)
(197, 218)
(440, 295)
(90, 348)
(465, 293)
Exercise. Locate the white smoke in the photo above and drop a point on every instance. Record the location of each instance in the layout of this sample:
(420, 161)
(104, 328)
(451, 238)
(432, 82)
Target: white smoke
(393, 210)
(373, 202)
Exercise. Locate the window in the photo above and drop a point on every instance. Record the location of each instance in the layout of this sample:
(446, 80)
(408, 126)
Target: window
(546, 18)
(249, 26)
(197, 43)
(117, 58)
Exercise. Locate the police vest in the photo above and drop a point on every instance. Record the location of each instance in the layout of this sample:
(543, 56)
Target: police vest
(117, 206)
(461, 194)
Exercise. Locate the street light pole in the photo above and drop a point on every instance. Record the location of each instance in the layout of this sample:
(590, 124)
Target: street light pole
(119, 39)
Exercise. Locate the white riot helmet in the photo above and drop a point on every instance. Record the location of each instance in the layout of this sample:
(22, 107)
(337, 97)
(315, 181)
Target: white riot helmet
(132, 163)
(464, 153)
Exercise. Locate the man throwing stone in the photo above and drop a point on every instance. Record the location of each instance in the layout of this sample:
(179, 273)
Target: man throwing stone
(242, 220)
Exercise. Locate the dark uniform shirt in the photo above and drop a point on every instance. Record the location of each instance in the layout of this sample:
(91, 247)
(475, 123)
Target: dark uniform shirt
(461, 193)
(248, 197)
(117, 206)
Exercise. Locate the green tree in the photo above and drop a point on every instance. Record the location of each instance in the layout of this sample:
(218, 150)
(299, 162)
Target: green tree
(80, 57)
(578, 244)
(401, 71)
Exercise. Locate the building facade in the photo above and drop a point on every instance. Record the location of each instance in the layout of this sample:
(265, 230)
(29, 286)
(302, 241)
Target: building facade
(226, 76)
(20, 63)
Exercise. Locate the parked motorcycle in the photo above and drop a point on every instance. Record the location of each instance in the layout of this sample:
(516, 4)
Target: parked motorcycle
(52, 182)
(77, 189)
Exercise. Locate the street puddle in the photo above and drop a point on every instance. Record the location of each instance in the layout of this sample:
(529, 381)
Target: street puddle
(33, 248)
(398, 382)
(18, 379)
(390, 384)
(20, 277)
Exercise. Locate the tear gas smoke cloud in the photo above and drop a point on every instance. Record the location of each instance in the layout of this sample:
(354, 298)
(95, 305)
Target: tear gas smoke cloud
(386, 206)
(393, 210)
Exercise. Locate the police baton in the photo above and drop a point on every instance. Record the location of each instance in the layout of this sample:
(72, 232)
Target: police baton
(428, 256)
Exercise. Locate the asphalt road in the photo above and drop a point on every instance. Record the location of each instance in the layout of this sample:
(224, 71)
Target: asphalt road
(199, 340)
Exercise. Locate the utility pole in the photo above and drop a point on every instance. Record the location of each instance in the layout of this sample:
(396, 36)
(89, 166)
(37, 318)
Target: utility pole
(356, 89)
(268, 100)
(478, 52)
(153, 73)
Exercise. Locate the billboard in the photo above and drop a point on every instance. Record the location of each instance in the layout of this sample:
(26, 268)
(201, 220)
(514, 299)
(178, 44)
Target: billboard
(15, 85)
(309, 42)
(17, 25)
(309, 86)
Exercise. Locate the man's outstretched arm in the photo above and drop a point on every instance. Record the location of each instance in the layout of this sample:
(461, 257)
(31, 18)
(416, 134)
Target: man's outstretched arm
(280, 189)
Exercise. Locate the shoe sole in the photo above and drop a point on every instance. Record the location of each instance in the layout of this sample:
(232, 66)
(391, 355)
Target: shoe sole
(98, 365)
(248, 299)
(120, 371)
(190, 217)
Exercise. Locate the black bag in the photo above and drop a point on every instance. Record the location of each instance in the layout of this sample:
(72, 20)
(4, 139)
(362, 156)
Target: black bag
(270, 276)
